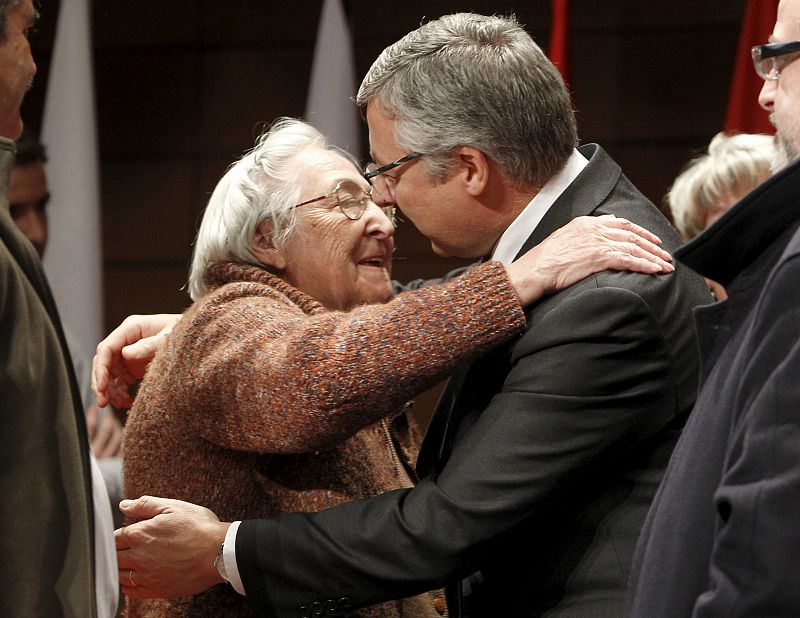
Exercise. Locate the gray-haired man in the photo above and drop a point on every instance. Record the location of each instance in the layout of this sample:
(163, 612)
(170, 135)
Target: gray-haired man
(51, 497)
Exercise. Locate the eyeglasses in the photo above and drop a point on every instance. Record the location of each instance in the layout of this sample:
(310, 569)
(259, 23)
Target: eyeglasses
(352, 200)
(376, 176)
(770, 59)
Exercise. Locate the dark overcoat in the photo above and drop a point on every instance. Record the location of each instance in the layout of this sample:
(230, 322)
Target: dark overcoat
(46, 515)
(722, 538)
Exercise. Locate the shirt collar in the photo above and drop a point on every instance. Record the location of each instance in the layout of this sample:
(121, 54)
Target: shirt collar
(522, 227)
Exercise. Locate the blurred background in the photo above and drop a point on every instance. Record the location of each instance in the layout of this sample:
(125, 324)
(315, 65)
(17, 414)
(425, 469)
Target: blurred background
(182, 88)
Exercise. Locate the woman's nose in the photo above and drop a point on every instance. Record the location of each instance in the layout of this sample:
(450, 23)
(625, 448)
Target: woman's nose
(377, 221)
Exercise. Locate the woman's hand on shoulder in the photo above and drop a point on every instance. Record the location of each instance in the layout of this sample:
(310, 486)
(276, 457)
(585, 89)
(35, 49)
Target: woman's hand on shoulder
(584, 246)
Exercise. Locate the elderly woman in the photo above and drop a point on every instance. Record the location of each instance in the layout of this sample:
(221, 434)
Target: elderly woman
(283, 387)
(710, 184)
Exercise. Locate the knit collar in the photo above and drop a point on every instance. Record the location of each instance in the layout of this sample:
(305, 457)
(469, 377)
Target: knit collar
(221, 273)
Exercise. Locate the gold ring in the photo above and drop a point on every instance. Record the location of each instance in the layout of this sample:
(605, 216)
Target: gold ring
(130, 577)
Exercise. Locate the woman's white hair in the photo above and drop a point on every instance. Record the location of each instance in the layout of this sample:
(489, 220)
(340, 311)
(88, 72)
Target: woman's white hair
(733, 166)
(265, 183)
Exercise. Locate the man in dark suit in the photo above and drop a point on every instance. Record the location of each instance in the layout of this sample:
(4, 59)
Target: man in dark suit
(46, 514)
(722, 537)
(47, 518)
(542, 458)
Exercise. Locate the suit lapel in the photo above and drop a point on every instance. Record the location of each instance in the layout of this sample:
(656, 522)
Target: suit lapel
(25, 257)
(582, 197)
(17, 244)
(28, 261)
(592, 186)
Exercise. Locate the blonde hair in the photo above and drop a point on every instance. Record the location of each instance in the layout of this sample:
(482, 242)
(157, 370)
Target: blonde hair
(734, 165)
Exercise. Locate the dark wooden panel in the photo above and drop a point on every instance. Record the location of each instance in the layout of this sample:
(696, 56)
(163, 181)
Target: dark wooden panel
(143, 287)
(146, 102)
(148, 213)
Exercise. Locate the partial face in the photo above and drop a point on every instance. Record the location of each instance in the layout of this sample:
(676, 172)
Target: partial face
(340, 262)
(725, 203)
(28, 197)
(443, 212)
(782, 97)
(16, 67)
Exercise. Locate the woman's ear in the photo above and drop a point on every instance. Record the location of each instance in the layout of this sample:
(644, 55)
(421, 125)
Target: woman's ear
(265, 250)
(475, 169)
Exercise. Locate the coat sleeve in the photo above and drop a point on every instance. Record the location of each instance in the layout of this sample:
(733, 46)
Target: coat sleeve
(754, 568)
(273, 379)
(587, 381)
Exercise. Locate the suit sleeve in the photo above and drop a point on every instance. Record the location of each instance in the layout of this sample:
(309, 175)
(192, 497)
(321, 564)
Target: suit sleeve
(754, 568)
(587, 379)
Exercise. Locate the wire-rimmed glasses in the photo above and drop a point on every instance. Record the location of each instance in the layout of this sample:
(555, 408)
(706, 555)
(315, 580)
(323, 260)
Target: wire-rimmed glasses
(383, 184)
(352, 200)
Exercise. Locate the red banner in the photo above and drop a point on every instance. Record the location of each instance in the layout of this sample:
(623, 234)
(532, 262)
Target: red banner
(744, 113)
(559, 32)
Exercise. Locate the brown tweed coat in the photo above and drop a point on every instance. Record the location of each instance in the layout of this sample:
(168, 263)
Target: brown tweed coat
(262, 401)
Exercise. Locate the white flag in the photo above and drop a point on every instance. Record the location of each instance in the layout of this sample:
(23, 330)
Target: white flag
(330, 106)
(73, 258)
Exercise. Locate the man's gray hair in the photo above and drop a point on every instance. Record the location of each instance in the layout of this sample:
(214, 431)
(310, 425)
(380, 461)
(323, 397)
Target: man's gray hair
(265, 183)
(473, 80)
(4, 6)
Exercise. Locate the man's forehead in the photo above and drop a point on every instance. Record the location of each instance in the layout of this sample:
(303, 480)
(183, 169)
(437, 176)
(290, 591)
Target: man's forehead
(788, 21)
(381, 133)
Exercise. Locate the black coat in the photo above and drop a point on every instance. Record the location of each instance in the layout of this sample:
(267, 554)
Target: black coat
(540, 462)
(723, 535)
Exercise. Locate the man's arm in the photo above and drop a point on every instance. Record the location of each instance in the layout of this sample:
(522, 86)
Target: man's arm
(569, 399)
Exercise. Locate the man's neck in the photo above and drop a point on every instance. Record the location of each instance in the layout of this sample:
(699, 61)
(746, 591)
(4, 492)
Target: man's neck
(531, 214)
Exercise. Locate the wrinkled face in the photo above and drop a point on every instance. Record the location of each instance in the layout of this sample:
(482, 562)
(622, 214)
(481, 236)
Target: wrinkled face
(443, 212)
(782, 97)
(28, 197)
(16, 67)
(340, 262)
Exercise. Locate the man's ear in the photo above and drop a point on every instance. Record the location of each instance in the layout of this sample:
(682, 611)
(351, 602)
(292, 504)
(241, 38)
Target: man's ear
(265, 250)
(475, 169)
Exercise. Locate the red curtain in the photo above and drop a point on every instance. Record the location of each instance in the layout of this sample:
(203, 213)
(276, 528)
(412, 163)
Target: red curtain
(558, 37)
(744, 114)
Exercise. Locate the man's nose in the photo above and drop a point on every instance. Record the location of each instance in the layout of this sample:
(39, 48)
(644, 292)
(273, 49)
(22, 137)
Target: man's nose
(766, 98)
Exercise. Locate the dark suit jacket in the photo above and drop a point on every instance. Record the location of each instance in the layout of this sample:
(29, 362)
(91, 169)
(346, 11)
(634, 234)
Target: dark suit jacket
(46, 516)
(540, 462)
(723, 535)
